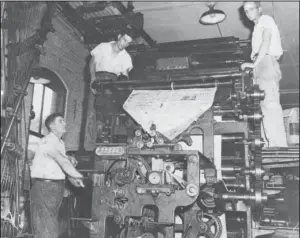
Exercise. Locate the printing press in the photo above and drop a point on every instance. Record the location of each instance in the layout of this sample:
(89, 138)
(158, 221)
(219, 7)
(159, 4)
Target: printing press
(213, 179)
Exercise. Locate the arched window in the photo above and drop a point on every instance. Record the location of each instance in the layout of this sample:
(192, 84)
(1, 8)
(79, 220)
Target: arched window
(48, 96)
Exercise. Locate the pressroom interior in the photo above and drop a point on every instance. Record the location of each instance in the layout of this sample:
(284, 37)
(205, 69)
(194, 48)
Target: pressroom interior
(147, 119)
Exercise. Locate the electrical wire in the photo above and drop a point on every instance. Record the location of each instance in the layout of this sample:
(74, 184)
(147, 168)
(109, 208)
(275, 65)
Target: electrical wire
(141, 159)
(26, 162)
(273, 10)
(219, 29)
(110, 167)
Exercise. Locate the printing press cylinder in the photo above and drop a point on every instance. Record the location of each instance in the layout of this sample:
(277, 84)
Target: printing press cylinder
(256, 197)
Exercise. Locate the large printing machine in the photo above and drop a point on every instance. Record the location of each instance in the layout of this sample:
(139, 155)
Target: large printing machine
(227, 184)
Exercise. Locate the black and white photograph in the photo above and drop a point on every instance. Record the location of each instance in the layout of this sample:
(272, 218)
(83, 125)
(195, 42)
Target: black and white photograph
(150, 119)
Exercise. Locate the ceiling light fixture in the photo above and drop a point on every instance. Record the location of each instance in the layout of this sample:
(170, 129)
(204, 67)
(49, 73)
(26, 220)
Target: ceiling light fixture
(212, 16)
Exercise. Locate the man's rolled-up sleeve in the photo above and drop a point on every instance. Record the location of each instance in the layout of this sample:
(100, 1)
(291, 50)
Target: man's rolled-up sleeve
(98, 50)
(267, 22)
(48, 146)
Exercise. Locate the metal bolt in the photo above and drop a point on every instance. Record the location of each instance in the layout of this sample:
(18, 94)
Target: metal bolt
(159, 140)
(100, 201)
(149, 144)
(202, 226)
(192, 190)
(117, 219)
(140, 144)
(152, 133)
(138, 133)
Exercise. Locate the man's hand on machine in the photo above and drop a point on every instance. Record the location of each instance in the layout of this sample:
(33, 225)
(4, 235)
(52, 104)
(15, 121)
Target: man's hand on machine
(77, 182)
(123, 77)
(92, 80)
(254, 57)
(247, 65)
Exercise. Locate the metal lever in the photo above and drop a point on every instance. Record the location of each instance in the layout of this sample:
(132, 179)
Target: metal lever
(189, 226)
(89, 171)
(83, 219)
(179, 180)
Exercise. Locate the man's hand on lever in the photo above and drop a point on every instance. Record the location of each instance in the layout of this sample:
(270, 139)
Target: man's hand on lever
(77, 182)
(247, 65)
(253, 56)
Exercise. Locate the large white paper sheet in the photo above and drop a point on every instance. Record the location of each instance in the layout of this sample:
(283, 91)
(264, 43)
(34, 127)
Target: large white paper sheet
(172, 111)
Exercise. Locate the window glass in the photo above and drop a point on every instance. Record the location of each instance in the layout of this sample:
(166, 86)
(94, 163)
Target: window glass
(3, 69)
(37, 99)
(49, 106)
(47, 99)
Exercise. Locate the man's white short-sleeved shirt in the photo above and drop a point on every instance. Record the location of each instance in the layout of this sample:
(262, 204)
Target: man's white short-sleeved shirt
(106, 60)
(267, 22)
(44, 166)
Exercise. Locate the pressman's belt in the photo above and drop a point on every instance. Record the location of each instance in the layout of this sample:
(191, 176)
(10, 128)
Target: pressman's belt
(48, 180)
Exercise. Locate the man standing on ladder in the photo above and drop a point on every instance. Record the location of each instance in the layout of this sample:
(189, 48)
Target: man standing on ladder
(266, 50)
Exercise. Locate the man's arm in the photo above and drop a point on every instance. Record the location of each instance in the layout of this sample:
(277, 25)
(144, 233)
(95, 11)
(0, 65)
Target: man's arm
(127, 65)
(73, 160)
(264, 47)
(263, 50)
(64, 163)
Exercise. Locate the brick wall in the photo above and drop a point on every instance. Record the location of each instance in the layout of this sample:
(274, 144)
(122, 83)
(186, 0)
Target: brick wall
(65, 56)
(31, 19)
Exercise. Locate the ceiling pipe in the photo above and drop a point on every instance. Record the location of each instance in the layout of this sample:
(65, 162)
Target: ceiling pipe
(163, 8)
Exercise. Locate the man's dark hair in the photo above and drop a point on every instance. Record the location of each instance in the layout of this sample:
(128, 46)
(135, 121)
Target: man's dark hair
(51, 118)
(128, 30)
(257, 3)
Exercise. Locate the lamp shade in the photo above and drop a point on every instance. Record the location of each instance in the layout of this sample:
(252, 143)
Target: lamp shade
(212, 16)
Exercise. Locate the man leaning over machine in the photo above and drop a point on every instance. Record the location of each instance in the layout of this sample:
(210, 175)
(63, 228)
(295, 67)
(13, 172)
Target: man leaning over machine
(112, 57)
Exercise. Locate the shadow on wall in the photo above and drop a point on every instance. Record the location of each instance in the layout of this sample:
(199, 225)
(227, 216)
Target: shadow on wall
(85, 102)
(246, 22)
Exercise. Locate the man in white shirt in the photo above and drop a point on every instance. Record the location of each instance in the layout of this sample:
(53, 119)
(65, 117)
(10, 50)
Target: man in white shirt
(112, 57)
(48, 172)
(266, 50)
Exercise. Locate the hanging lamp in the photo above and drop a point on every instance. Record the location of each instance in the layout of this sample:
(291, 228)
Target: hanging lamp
(212, 16)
